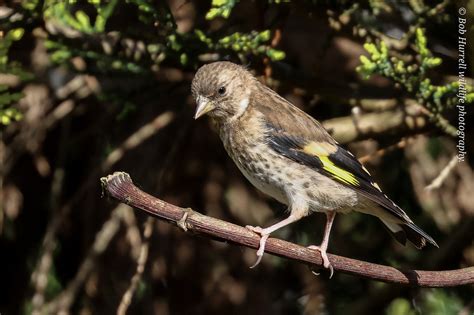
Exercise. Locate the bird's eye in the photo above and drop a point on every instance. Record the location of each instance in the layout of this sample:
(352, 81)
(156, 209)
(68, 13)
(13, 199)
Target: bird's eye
(221, 90)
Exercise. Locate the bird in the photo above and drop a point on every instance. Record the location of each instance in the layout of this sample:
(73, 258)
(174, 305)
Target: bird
(288, 155)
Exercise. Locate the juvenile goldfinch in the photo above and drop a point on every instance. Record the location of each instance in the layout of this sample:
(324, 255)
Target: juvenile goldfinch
(288, 155)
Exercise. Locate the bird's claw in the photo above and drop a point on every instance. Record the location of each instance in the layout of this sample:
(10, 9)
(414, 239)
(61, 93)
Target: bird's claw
(255, 229)
(263, 240)
(325, 258)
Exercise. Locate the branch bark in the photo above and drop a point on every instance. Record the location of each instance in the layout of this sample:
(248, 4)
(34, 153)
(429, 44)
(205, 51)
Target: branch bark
(120, 186)
(404, 120)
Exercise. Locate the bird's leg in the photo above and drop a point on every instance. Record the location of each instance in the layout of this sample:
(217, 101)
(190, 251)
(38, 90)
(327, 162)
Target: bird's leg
(265, 233)
(330, 215)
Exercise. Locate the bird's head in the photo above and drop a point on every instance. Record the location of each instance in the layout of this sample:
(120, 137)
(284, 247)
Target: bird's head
(222, 90)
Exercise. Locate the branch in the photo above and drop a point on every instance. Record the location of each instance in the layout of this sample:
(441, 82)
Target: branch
(439, 180)
(407, 120)
(142, 258)
(120, 186)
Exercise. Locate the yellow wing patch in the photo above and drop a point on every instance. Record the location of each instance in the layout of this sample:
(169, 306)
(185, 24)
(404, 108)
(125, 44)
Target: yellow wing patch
(338, 172)
(319, 148)
(322, 150)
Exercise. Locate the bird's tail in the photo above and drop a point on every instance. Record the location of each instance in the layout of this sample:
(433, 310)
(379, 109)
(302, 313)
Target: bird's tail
(409, 231)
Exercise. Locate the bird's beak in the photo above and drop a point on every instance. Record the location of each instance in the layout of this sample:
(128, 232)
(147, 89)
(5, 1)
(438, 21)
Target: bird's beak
(203, 106)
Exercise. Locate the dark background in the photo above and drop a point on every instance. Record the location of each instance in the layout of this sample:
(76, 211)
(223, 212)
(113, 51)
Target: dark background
(89, 88)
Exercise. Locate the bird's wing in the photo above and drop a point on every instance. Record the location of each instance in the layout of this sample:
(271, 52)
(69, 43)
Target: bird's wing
(297, 136)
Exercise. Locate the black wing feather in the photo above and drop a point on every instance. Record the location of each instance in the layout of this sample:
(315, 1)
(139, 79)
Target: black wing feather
(289, 130)
(291, 147)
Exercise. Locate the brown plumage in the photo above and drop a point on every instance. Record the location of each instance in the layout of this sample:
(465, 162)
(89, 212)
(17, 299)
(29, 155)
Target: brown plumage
(288, 155)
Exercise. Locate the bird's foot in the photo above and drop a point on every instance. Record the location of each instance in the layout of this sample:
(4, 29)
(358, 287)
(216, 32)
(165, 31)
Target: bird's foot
(325, 258)
(263, 239)
(255, 229)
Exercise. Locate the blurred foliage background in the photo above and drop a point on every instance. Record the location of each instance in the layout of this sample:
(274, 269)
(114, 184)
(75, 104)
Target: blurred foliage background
(90, 87)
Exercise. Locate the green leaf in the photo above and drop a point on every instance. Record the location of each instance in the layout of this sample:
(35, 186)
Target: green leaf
(17, 33)
(5, 120)
(84, 20)
(183, 58)
(264, 36)
(400, 307)
(432, 62)
(276, 55)
(220, 8)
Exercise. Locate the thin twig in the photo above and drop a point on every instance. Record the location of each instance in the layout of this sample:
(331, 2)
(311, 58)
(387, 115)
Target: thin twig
(381, 152)
(266, 61)
(120, 186)
(142, 258)
(401, 121)
(49, 241)
(137, 138)
(143, 251)
(132, 234)
(102, 240)
(439, 180)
